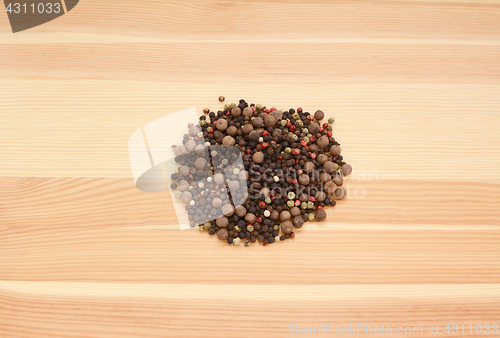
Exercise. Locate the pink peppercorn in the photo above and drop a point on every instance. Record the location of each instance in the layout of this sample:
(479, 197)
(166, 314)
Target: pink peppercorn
(312, 155)
(265, 132)
(297, 203)
(312, 199)
(262, 204)
(329, 134)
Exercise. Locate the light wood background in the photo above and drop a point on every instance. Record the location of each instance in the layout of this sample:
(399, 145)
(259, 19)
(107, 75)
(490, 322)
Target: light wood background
(415, 90)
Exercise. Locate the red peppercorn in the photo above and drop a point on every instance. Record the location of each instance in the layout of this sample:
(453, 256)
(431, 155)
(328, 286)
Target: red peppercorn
(292, 234)
(280, 157)
(273, 142)
(288, 125)
(297, 203)
(267, 111)
(258, 219)
(299, 109)
(196, 138)
(296, 151)
(329, 134)
(211, 130)
(265, 243)
(265, 145)
(253, 108)
(304, 143)
(294, 181)
(335, 158)
(321, 129)
(249, 151)
(312, 199)
(228, 113)
(273, 108)
(313, 139)
(262, 204)
(265, 132)
(320, 207)
(310, 117)
(273, 198)
(312, 155)
(325, 125)
(292, 128)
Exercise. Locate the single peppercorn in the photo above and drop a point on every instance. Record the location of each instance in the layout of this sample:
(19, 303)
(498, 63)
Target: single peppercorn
(222, 98)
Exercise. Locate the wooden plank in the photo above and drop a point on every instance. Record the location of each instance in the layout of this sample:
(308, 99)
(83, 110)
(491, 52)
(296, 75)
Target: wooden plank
(337, 256)
(228, 310)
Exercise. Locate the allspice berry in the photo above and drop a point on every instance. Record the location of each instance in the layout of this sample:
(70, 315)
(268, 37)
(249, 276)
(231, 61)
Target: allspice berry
(240, 211)
(222, 222)
(258, 157)
(180, 150)
(313, 128)
(286, 227)
(216, 203)
(200, 163)
(319, 115)
(228, 141)
(186, 197)
(232, 130)
(274, 215)
(304, 179)
(324, 177)
(322, 158)
(329, 166)
(346, 169)
(269, 121)
(295, 211)
(247, 112)
(309, 166)
(247, 128)
(337, 179)
(222, 234)
(340, 193)
(320, 215)
(222, 98)
(236, 111)
(320, 196)
(250, 218)
(219, 178)
(228, 210)
(335, 150)
(322, 142)
(254, 135)
(298, 222)
(330, 187)
(258, 122)
(285, 215)
(221, 124)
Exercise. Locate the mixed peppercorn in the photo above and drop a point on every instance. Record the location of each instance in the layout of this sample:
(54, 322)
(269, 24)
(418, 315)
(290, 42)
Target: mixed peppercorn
(279, 168)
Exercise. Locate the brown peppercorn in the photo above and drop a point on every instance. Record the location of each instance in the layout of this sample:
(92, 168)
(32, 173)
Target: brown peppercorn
(228, 141)
(295, 211)
(219, 178)
(222, 98)
(232, 130)
(330, 187)
(247, 112)
(304, 179)
(206, 110)
(278, 114)
(250, 218)
(335, 150)
(324, 177)
(222, 222)
(274, 215)
(236, 111)
(313, 128)
(322, 142)
(234, 185)
(346, 169)
(320, 215)
(222, 234)
(258, 157)
(221, 124)
(298, 222)
(200, 163)
(285, 215)
(319, 115)
(216, 203)
(254, 135)
(286, 227)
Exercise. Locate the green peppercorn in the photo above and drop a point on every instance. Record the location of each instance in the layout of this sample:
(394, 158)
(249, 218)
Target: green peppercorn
(268, 200)
(207, 225)
(310, 205)
(288, 150)
(290, 204)
(226, 107)
(178, 194)
(306, 139)
(258, 107)
(237, 229)
(331, 120)
(303, 205)
(250, 228)
(236, 171)
(295, 137)
(310, 217)
(276, 227)
(232, 105)
(291, 195)
(201, 228)
(283, 122)
(305, 131)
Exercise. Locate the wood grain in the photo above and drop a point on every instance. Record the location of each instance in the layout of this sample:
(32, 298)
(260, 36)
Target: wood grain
(414, 87)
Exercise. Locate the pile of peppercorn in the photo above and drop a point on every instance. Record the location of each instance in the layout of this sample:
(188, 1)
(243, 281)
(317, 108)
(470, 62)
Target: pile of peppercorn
(280, 169)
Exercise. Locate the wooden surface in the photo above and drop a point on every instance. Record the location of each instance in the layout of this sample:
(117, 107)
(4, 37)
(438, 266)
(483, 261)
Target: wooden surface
(415, 90)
